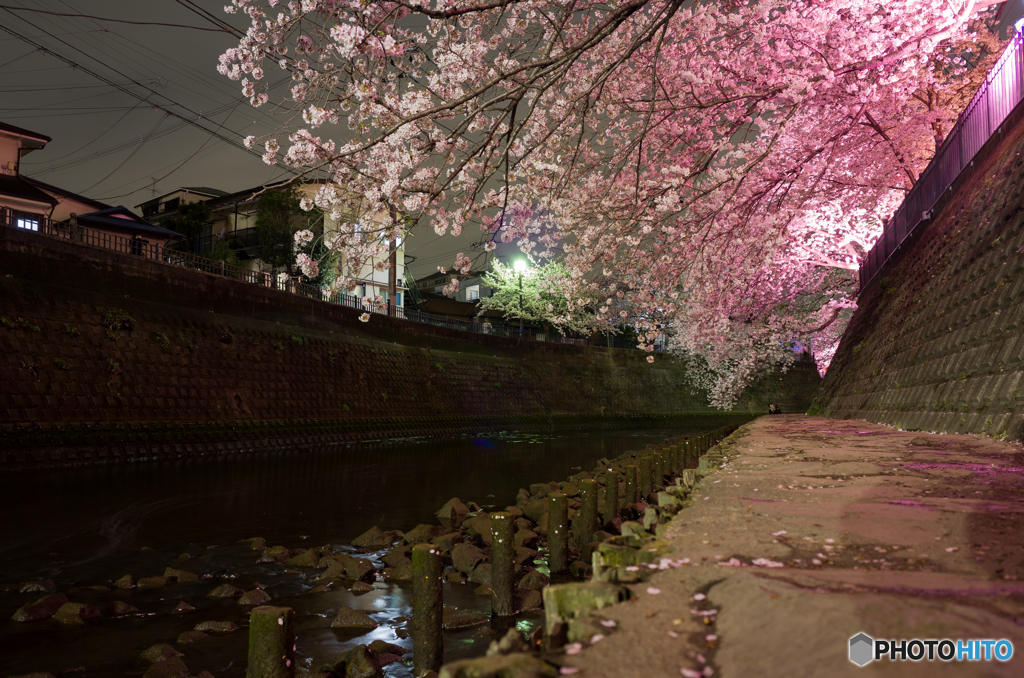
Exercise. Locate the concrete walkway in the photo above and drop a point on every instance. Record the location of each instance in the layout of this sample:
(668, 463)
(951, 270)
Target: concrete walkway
(856, 528)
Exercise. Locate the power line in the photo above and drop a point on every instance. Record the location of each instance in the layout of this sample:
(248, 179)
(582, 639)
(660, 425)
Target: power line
(119, 87)
(100, 18)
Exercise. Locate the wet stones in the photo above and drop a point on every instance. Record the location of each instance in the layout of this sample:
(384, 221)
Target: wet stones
(189, 637)
(478, 528)
(181, 576)
(73, 614)
(254, 597)
(275, 554)
(308, 558)
(43, 608)
(153, 582)
(353, 621)
(124, 582)
(216, 627)
(43, 586)
(158, 652)
(225, 591)
(453, 619)
(422, 533)
(465, 557)
(401, 571)
(452, 514)
(374, 538)
(446, 542)
(514, 665)
(358, 662)
(118, 608)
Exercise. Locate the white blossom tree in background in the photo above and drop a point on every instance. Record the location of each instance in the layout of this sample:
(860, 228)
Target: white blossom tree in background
(713, 169)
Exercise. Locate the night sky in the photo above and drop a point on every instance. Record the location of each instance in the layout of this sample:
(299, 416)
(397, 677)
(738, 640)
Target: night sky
(122, 149)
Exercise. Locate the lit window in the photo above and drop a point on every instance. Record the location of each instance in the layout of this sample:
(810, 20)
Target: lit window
(30, 222)
(473, 292)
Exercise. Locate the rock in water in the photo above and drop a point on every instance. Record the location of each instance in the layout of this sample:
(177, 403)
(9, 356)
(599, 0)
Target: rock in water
(159, 652)
(153, 582)
(382, 647)
(397, 556)
(308, 558)
(225, 591)
(118, 608)
(275, 554)
(533, 581)
(466, 556)
(359, 662)
(515, 665)
(216, 626)
(374, 538)
(182, 607)
(529, 600)
(446, 542)
(535, 510)
(360, 587)
(172, 667)
(182, 576)
(75, 613)
(189, 637)
(452, 618)
(353, 621)
(422, 533)
(479, 527)
(254, 597)
(44, 586)
(124, 582)
(44, 608)
(452, 514)
(257, 543)
(402, 571)
(481, 574)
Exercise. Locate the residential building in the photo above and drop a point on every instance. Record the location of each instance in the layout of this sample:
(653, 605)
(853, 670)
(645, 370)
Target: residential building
(471, 285)
(38, 206)
(232, 225)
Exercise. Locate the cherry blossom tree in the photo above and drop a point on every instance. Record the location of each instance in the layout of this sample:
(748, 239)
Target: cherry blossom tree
(713, 170)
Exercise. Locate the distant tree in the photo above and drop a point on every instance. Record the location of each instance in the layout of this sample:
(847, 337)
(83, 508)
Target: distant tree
(189, 221)
(278, 217)
(534, 296)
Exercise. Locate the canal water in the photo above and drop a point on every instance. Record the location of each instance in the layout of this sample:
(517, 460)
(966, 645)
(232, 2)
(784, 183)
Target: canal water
(86, 527)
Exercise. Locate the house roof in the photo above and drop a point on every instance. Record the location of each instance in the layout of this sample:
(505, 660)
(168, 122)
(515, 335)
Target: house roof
(198, 190)
(122, 218)
(50, 188)
(24, 133)
(18, 187)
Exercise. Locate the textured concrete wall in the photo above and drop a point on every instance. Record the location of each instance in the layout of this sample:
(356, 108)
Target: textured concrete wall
(937, 341)
(212, 364)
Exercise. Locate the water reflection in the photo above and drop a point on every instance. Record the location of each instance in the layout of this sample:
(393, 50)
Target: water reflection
(90, 525)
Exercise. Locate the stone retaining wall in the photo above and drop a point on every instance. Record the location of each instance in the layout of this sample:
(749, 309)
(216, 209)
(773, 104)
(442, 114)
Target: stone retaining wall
(212, 365)
(937, 341)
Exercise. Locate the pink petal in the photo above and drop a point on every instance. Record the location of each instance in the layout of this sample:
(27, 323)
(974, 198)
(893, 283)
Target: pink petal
(653, 591)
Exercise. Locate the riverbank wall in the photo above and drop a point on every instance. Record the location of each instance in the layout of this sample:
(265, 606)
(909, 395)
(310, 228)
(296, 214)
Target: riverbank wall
(107, 357)
(938, 340)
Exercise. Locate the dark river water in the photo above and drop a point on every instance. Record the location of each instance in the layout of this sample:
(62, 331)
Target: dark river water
(86, 527)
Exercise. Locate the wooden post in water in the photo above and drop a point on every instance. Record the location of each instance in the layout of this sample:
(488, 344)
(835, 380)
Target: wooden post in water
(646, 477)
(427, 609)
(503, 554)
(611, 496)
(629, 491)
(558, 533)
(271, 642)
(656, 467)
(585, 521)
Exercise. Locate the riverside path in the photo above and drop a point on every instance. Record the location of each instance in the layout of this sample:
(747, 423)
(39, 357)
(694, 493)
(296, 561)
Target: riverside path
(815, 530)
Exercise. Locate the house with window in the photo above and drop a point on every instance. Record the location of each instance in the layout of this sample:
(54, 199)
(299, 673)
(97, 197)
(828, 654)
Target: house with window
(22, 204)
(35, 205)
(471, 285)
(232, 226)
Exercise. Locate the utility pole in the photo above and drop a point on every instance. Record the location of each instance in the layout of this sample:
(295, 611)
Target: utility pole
(393, 268)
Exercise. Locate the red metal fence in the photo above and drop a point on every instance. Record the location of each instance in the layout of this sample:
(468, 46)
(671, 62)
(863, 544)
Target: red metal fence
(1002, 90)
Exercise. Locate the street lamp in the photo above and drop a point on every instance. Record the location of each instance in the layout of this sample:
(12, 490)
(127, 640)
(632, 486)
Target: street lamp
(520, 267)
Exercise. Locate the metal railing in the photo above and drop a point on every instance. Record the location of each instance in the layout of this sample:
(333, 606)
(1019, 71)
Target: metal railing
(1002, 90)
(139, 247)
